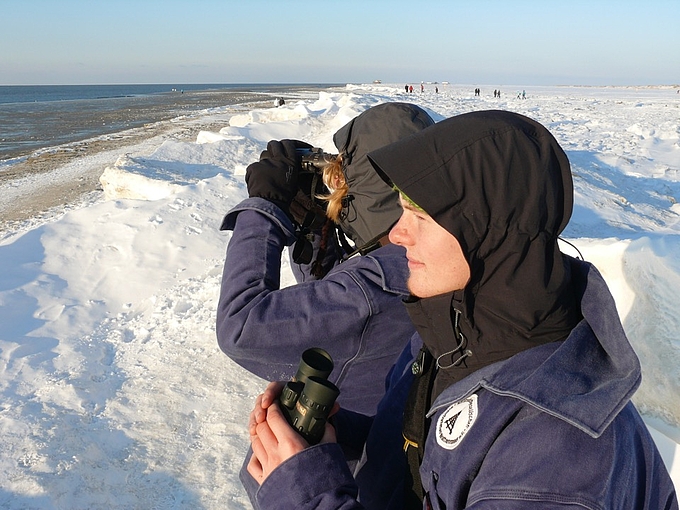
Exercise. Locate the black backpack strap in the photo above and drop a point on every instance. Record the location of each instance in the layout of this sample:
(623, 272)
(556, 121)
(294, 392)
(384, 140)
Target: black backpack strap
(416, 425)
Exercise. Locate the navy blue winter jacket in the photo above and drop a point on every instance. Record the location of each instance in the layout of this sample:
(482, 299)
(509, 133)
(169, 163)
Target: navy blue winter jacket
(551, 427)
(355, 312)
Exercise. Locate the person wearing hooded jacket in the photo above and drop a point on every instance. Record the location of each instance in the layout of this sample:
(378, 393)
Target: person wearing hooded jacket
(515, 391)
(355, 308)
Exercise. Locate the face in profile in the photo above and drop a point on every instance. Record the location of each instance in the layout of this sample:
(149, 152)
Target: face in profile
(435, 259)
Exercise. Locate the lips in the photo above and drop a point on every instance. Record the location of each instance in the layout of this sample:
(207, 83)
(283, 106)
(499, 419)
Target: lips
(414, 264)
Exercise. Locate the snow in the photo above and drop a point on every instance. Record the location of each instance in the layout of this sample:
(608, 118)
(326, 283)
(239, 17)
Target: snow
(114, 393)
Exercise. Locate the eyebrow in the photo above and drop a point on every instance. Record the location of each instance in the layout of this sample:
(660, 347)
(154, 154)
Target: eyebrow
(407, 203)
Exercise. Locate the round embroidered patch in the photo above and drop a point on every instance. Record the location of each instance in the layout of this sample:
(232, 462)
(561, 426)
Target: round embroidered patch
(455, 422)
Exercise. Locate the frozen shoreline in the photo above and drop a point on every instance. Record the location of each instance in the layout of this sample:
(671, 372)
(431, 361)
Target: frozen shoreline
(42, 185)
(39, 185)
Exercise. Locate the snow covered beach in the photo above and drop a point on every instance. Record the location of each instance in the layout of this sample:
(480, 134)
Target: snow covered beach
(114, 393)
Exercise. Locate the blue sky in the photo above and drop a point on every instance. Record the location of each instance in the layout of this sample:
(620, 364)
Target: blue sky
(502, 42)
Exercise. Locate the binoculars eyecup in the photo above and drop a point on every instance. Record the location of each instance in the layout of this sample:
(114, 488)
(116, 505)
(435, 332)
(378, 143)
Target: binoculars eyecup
(314, 362)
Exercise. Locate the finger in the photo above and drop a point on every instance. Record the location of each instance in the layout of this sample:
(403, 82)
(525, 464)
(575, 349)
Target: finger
(289, 147)
(251, 423)
(335, 409)
(271, 393)
(281, 429)
(329, 435)
(259, 413)
(256, 416)
(258, 448)
(276, 150)
(268, 395)
(299, 144)
(255, 469)
(266, 436)
(275, 417)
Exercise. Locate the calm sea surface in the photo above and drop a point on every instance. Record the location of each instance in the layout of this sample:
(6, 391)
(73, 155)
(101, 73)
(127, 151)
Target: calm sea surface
(34, 117)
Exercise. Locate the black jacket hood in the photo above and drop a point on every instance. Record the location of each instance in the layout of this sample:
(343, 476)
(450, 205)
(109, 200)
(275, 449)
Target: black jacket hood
(501, 184)
(374, 206)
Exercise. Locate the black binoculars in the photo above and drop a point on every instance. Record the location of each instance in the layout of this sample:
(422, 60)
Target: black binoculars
(308, 398)
(313, 160)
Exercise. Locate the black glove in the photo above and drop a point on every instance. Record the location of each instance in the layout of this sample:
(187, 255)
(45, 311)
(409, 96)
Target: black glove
(275, 176)
(307, 211)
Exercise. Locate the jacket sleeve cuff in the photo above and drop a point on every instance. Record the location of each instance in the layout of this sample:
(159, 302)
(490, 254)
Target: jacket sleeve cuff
(265, 207)
(316, 477)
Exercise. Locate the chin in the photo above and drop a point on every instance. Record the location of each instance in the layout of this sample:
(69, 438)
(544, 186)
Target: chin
(416, 290)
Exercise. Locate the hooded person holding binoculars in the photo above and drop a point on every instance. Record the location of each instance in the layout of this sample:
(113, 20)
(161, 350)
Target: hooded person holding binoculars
(355, 309)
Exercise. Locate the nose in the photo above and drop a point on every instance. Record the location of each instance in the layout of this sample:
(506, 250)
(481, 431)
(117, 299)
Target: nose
(399, 233)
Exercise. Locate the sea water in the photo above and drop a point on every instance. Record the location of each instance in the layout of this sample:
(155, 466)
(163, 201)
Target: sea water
(38, 116)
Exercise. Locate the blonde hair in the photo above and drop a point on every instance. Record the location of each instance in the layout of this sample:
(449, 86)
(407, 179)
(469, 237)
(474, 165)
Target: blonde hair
(334, 178)
(408, 200)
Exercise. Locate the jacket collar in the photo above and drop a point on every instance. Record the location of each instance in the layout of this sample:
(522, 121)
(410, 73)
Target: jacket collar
(585, 380)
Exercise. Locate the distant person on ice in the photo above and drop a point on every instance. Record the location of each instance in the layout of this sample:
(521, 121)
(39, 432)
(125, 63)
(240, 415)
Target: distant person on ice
(353, 310)
(515, 392)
